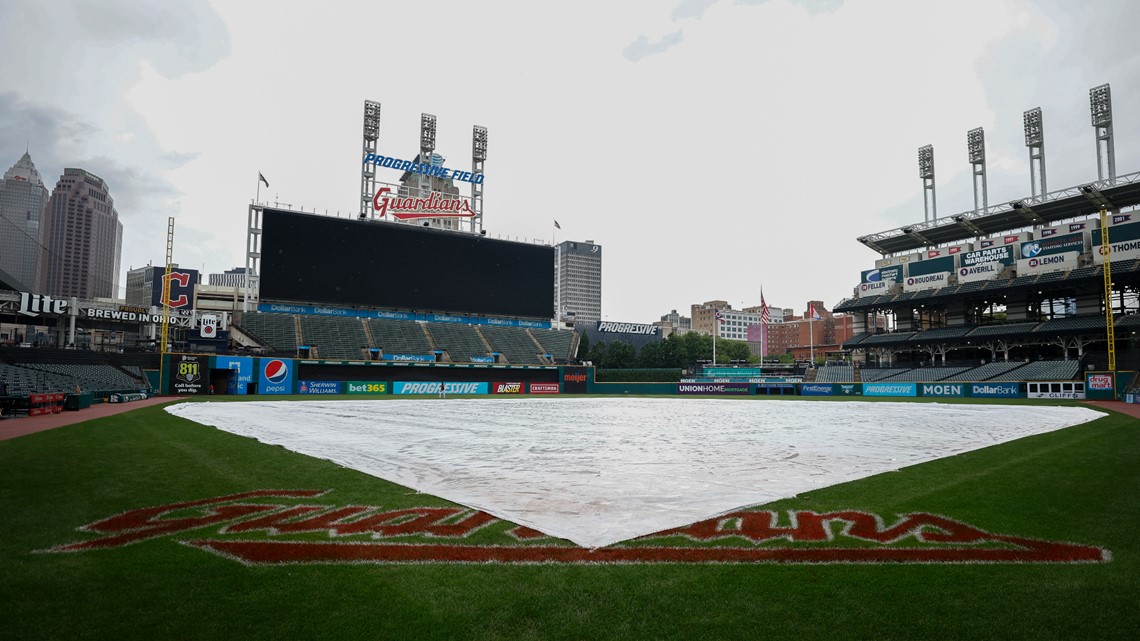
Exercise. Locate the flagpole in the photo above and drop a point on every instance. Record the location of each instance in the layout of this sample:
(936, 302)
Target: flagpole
(811, 336)
(716, 322)
(257, 198)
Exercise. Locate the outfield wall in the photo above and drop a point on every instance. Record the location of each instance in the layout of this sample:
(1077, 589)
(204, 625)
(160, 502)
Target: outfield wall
(199, 374)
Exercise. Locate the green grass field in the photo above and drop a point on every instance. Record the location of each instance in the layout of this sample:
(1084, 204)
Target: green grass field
(1076, 485)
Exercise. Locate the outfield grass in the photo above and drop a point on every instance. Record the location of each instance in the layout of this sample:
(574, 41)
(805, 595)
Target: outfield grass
(1073, 485)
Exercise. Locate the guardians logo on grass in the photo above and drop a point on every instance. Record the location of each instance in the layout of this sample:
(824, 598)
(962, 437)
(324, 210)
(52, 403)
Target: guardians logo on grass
(269, 527)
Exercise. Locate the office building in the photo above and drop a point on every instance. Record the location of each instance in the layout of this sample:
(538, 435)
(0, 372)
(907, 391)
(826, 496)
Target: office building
(23, 200)
(578, 281)
(82, 238)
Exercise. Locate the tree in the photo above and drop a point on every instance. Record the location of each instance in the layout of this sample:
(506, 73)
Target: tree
(583, 345)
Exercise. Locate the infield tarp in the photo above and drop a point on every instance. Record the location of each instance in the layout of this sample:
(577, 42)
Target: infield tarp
(600, 471)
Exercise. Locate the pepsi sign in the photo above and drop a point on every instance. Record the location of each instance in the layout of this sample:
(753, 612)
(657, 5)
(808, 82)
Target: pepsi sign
(276, 376)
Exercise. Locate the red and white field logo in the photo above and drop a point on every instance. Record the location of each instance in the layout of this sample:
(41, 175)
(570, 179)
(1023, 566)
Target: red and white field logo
(288, 529)
(544, 388)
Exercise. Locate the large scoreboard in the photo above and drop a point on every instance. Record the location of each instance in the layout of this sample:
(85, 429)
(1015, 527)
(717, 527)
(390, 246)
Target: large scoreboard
(309, 258)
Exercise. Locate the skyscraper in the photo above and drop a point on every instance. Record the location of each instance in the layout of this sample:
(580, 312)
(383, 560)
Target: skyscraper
(23, 200)
(83, 238)
(578, 281)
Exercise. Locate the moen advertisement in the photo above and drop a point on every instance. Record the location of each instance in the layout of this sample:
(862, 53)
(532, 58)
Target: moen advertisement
(944, 390)
(318, 387)
(276, 376)
(432, 387)
(189, 374)
(890, 389)
(242, 372)
(995, 390)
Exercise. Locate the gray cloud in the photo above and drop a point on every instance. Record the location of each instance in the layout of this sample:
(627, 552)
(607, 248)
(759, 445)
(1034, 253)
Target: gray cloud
(692, 8)
(641, 47)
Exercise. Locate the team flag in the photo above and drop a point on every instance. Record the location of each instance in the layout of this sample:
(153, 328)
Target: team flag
(719, 316)
(262, 179)
(556, 225)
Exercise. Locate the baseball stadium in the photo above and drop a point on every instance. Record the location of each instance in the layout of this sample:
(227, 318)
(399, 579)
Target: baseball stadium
(389, 432)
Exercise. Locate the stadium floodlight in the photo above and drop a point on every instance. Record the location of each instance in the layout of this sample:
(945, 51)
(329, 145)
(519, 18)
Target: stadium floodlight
(479, 143)
(976, 145)
(1100, 104)
(371, 120)
(427, 133)
(1034, 134)
(926, 162)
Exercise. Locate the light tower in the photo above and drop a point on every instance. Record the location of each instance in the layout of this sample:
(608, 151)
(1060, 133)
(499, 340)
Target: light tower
(427, 146)
(976, 149)
(1035, 140)
(1100, 104)
(367, 170)
(926, 172)
(478, 157)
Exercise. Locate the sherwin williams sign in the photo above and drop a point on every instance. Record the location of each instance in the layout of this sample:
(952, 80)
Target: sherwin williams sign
(318, 387)
(944, 390)
(994, 390)
(275, 376)
(432, 387)
(890, 389)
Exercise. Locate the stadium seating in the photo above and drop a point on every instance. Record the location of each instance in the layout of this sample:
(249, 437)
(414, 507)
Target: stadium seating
(892, 337)
(554, 342)
(835, 374)
(90, 378)
(1042, 371)
(999, 330)
(871, 375)
(974, 286)
(1128, 320)
(334, 336)
(461, 342)
(941, 333)
(1071, 324)
(985, 372)
(22, 380)
(1023, 280)
(858, 338)
(276, 331)
(399, 336)
(514, 343)
(1085, 272)
(926, 374)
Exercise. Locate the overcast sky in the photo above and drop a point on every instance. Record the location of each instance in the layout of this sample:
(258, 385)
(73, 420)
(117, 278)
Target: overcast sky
(710, 146)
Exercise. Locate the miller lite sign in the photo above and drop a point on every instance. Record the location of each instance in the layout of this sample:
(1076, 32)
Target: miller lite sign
(208, 326)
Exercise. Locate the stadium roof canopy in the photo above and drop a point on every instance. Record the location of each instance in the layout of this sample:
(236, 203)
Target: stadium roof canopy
(1073, 202)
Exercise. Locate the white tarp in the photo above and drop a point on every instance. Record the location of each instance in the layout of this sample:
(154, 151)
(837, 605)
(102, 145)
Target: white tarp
(600, 471)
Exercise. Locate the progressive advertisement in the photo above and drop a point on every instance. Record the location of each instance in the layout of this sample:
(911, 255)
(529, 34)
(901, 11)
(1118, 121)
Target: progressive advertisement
(432, 387)
(890, 389)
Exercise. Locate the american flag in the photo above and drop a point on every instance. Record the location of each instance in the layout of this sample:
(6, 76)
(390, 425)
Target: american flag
(765, 315)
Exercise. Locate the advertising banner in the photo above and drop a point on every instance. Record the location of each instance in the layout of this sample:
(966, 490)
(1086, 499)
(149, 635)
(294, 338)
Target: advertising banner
(1118, 233)
(182, 282)
(713, 388)
(1049, 263)
(891, 274)
(319, 387)
(1004, 254)
(848, 389)
(984, 271)
(432, 387)
(995, 390)
(873, 289)
(816, 389)
(1100, 385)
(944, 390)
(1078, 242)
(626, 328)
(276, 376)
(189, 374)
(1007, 239)
(369, 387)
(927, 281)
(506, 388)
(483, 359)
(242, 368)
(932, 266)
(890, 389)
(1122, 250)
(573, 381)
(411, 358)
(544, 388)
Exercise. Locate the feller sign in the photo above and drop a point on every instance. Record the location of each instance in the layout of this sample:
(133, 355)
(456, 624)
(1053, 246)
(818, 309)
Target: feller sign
(253, 529)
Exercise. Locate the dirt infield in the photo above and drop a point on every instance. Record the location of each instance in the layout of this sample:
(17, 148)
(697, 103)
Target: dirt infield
(13, 427)
(1130, 409)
